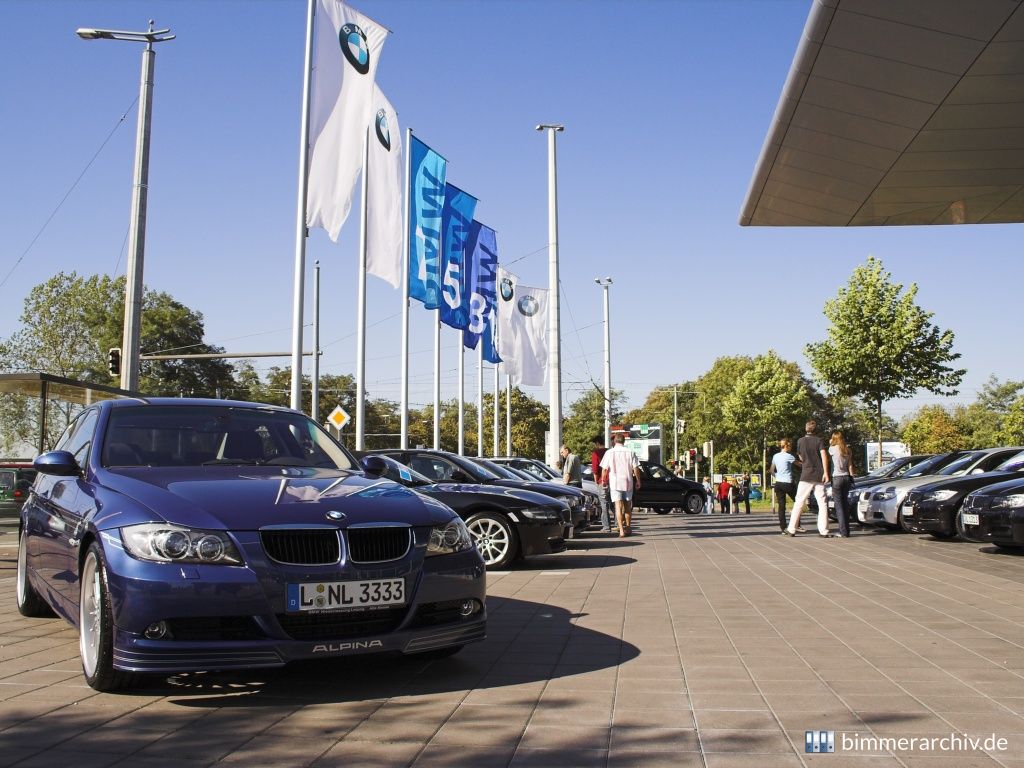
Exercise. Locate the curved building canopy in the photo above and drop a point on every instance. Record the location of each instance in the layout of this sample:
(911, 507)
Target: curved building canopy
(898, 112)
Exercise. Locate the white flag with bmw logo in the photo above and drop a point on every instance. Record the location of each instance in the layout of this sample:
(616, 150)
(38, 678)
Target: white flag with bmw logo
(347, 47)
(384, 182)
(522, 330)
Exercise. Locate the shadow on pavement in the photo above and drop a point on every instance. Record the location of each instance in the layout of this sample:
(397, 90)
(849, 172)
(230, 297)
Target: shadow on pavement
(993, 550)
(577, 561)
(527, 643)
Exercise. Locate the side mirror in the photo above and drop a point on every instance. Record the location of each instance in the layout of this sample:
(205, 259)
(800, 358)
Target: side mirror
(374, 466)
(60, 463)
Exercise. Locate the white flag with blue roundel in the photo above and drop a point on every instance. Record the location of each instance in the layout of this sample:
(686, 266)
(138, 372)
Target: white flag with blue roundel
(384, 189)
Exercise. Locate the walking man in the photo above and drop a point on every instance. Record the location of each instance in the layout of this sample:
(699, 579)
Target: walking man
(621, 471)
(813, 453)
(745, 492)
(596, 455)
(572, 470)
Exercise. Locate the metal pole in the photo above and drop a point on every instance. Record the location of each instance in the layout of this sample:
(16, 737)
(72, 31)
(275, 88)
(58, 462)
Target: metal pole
(133, 284)
(494, 413)
(404, 430)
(607, 367)
(462, 395)
(480, 397)
(554, 329)
(300, 217)
(361, 305)
(508, 415)
(437, 379)
(675, 423)
(314, 406)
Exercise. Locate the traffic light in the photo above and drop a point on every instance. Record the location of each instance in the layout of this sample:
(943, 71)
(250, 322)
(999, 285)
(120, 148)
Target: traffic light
(114, 361)
(688, 459)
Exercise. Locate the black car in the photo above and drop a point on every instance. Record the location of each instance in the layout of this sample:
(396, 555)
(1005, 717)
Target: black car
(583, 516)
(506, 524)
(662, 490)
(994, 515)
(860, 495)
(933, 508)
(446, 467)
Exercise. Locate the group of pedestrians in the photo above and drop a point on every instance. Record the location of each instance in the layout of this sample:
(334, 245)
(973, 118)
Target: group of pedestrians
(729, 493)
(819, 464)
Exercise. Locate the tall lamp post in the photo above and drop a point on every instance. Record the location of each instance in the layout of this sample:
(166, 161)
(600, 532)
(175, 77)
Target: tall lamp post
(554, 328)
(140, 194)
(604, 283)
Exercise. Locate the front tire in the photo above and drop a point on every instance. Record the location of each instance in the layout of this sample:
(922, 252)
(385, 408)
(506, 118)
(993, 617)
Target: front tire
(662, 510)
(96, 625)
(494, 539)
(30, 602)
(693, 504)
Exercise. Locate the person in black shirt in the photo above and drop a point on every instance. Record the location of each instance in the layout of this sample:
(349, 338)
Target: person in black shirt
(813, 453)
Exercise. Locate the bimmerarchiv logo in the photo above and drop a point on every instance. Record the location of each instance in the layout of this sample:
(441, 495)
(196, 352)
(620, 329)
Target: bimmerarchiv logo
(819, 741)
(354, 47)
(381, 128)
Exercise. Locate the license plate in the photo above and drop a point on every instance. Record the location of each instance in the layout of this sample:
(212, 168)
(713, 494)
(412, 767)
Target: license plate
(342, 595)
(908, 510)
(970, 519)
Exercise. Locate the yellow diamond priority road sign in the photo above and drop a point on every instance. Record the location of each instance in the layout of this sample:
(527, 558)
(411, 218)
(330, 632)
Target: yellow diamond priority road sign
(338, 418)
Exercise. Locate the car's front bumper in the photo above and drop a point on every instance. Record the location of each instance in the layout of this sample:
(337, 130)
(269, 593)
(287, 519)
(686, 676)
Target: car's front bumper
(995, 526)
(879, 512)
(224, 617)
(929, 517)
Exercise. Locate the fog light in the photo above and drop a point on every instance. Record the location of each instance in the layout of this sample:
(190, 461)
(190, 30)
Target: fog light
(156, 631)
(469, 607)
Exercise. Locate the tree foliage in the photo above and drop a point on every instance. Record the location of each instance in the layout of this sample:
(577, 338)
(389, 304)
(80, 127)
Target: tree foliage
(585, 419)
(881, 345)
(933, 429)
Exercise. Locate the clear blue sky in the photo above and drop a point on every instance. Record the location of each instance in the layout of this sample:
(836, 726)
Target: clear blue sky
(666, 105)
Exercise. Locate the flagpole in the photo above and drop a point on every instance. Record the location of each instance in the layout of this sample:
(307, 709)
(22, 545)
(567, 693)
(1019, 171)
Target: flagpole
(361, 303)
(314, 400)
(480, 397)
(508, 415)
(437, 379)
(405, 294)
(300, 217)
(554, 329)
(494, 412)
(462, 395)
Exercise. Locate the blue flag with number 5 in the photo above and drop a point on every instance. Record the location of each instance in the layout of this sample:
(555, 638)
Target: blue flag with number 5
(456, 220)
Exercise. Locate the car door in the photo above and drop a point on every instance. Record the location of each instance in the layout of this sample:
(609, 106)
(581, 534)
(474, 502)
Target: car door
(72, 501)
(658, 482)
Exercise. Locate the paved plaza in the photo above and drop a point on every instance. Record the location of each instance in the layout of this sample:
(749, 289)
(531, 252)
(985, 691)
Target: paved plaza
(708, 641)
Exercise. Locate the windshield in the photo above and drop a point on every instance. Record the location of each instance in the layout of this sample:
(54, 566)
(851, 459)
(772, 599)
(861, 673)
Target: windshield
(885, 469)
(959, 466)
(403, 474)
(495, 469)
(932, 465)
(201, 435)
(1013, 463)
(539, 469)
(476, 470)
(534, 472)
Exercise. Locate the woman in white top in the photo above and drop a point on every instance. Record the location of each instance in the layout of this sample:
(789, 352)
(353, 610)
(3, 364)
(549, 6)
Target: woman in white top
(842, 479)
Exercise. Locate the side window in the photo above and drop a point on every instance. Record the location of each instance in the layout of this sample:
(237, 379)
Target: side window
(81, 439)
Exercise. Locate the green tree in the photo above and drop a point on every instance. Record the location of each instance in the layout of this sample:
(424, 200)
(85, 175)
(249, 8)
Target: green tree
(585, 419)
(881, 346)
(1011, 431)
(933, 429)
(768, 401)
(982, 421)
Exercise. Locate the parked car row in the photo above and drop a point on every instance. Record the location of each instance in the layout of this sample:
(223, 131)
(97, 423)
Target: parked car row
(977, 495)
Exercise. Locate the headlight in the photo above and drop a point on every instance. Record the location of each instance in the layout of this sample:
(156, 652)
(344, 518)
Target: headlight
(166, 543)
(886, 494)
(449, 538)
(1012, 501)
(541, 513)
(943, 495)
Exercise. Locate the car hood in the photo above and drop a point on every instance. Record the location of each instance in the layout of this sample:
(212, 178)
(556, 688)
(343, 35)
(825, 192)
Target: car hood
(548, 489)
(1006, 487)
(908, 484)
(248, 498)
(517, 497)
(969, 483)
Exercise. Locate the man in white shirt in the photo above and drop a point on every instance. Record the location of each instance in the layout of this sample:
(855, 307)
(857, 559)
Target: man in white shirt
(620, 470)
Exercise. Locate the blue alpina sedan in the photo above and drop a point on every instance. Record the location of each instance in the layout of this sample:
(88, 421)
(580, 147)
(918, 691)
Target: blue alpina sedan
(187, 535)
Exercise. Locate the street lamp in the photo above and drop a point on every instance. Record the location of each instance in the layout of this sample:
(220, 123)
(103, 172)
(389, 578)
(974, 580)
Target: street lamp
(604, 283)
(554, 327)
(140, 190)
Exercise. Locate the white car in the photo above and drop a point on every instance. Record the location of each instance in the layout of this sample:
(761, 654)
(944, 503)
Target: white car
(882, 504)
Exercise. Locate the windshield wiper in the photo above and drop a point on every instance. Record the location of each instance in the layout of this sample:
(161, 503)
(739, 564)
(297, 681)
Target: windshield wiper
(248, 462)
